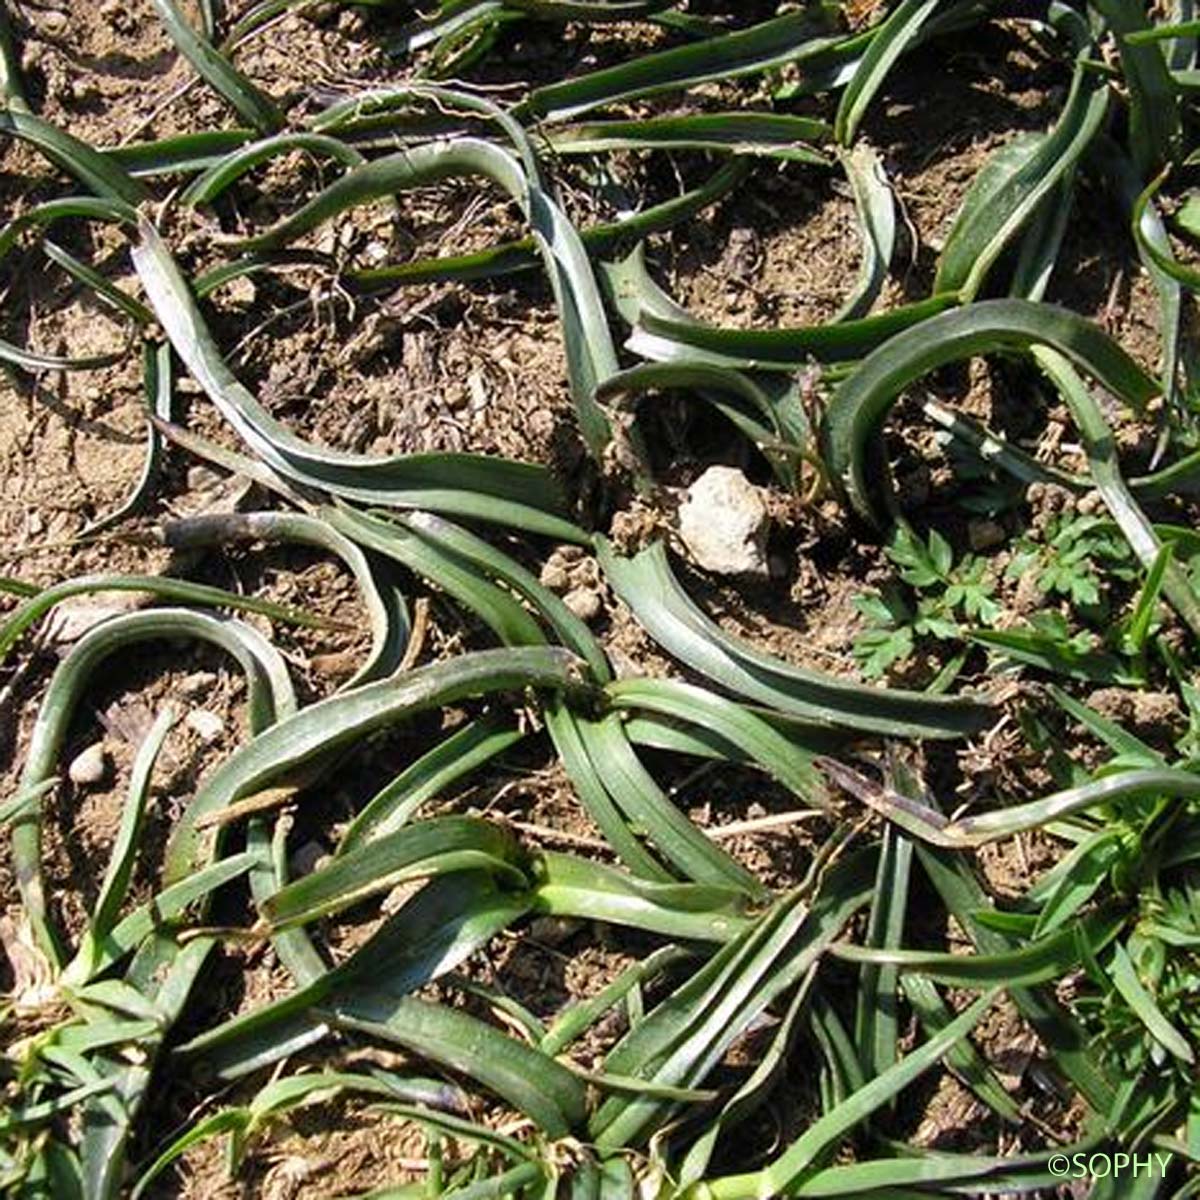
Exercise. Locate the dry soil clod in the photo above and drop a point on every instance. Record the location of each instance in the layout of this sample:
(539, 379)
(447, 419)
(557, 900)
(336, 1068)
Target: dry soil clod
(724, 524)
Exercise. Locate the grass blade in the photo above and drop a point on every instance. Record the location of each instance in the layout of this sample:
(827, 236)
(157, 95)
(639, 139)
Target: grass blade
(251, 104)
(891, 38)
(786, 39)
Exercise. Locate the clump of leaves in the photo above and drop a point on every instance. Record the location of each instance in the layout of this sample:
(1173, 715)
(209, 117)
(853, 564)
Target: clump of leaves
(1073, 557)
(1084, 560)
(1141, 1009)
(940, 596)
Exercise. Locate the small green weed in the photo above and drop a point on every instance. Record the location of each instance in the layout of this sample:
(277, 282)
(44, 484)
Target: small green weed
(940, 597)
(1072, 557)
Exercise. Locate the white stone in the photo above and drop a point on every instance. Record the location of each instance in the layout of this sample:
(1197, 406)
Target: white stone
(207, 724)
(724, 524)
(89, 766)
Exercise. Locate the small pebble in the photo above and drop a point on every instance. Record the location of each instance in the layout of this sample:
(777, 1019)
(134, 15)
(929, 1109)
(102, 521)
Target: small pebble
(583, 602)
(241, 291)
(555, 576)
(724, 524)
(478, 390)
(206, 724)
(90, 766)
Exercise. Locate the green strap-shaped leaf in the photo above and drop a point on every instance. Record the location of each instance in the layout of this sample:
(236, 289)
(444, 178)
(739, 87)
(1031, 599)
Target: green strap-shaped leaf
(789, 38)
(1155, 120)
(476, 743)
(1124, 785)
(492, 489)
(270, 691)
(645, 806)
(1079, 876)
(205, 188)
(571, 887)
(1018, 179)
(964, 897)
(132, 931)
(12, 85)
(892, 37)
(851, 424)
(876, 1022)
(607, 237)
(574, 738)
(386, 611)
(686, 1035)
(761, 135)
(306, 740)
(454, 559)
(786, 1172)
(877, 228)
(746, 730)
(967, 1063)
(421, 851)
(646, 583)
(1041, 961)
(125, 847)
(251, 104)
(183, 590)
(569, 629)
(537, 1086)
(106, 178)
(781, 434)
(184, 153)
(666, 338)
(589, 351)
(432, 933)
(1149, 231)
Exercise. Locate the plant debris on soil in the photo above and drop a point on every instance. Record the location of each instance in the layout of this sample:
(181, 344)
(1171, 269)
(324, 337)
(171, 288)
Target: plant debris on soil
(599, 599)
